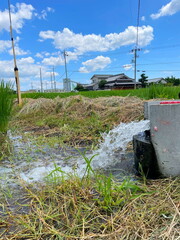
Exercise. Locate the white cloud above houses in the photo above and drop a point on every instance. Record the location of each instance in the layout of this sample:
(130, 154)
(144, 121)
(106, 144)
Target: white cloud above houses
(127, 67)
(167, 10)
(66, 39)
(19, 13)
(98, 63)
(59, 59)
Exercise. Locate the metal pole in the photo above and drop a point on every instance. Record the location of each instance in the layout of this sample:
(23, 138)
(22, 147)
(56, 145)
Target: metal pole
(51, 83)
(54, 80)
(16, 73)
(41, 80)
(135, 57)
(65, 54)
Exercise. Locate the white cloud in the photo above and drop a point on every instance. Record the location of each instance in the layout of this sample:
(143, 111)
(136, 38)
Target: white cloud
(42, 54)
(4, 45)
(143, 18)
(97, 63)
(91, 42)
(169, 9)
(53, 61)
(59, 60)
(26, 60)
(44, 13)
(18, 51)
(39, 55)
(146, 51)
(27, 68)
(19, 14)
(127, 66)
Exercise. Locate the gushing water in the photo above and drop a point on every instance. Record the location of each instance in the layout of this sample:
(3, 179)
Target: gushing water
(115, 142)
(33, 166)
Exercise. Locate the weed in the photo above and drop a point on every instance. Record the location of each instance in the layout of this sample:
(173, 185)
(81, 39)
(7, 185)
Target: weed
(6, 102)
(76, 209)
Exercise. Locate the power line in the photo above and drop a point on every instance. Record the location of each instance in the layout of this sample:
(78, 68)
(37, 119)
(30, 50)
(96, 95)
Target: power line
(144, 64)
(164, 70)
(115, 52)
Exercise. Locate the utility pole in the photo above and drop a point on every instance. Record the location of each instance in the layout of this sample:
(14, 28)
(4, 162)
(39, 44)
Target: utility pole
(136, 46)
(41, 80)
(54, 80)
(16, 73)
(51, 83)
(135, 50)
(65, 55)
(67, 84)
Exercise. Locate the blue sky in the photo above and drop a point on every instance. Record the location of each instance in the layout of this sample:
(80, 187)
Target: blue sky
(97, 35)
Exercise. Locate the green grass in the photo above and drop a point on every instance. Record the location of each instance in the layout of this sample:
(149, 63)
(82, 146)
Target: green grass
(6, 102)
(98, 208)
(154, 91)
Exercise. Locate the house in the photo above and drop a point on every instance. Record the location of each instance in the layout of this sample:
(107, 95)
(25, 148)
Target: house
(156, 81)
(121, 81)
(118, 81)
(95, 79)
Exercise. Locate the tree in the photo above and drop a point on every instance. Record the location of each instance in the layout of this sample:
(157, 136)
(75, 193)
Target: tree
(102, 84)
(143, 80)
(172, 81)
(79, 88)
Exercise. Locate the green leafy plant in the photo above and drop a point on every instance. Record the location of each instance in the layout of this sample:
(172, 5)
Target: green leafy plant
(6, 102)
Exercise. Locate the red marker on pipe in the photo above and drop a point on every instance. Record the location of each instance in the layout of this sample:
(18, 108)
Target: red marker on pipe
(170, 102)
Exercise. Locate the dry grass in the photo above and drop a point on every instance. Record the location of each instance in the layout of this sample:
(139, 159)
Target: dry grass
(77, 119)
(85, 106)
(69, 211)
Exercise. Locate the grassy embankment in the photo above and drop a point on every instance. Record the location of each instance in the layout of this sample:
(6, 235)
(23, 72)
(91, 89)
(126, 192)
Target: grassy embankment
(76, 120)
(95, 206)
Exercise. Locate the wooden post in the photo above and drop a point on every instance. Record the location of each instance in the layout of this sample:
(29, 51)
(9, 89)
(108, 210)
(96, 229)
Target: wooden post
(16, 73)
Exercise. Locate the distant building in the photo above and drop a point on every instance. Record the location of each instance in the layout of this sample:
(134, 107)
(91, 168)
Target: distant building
(118, 81)
(53, 90)
(121, 81)
(67, 85)
(95, 79)
(156, 81)
(30, 91)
